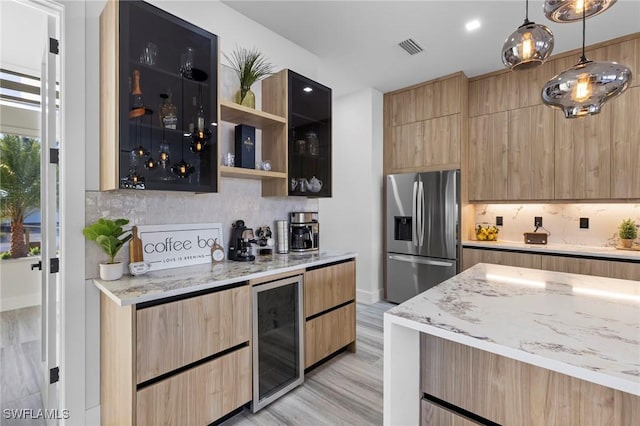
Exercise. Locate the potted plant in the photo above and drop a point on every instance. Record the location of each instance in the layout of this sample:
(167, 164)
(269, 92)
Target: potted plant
(250, 66)
(109, 235)
(627, 232)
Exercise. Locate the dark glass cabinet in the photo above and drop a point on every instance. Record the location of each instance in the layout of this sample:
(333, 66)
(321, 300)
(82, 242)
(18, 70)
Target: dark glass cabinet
(309, 117)
(167, 102)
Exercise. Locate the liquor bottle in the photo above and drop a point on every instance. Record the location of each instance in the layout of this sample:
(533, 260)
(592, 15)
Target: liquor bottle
(137, 106)
(167, 112)
(135, 247)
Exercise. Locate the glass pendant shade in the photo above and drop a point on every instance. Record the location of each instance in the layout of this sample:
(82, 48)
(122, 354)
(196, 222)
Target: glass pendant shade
(572, 10)
(529, 46)
(182, 169)
(585, 87)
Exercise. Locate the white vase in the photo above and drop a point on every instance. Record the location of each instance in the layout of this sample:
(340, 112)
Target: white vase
(111, 271)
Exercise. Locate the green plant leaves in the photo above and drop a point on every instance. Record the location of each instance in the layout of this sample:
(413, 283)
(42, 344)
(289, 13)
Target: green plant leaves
(250, 66)
(108, 234)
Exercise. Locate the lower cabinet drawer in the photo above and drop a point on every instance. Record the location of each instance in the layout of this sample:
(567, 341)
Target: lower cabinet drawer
(435, 415)
(198, 396)
(329, 332)
(175, 334)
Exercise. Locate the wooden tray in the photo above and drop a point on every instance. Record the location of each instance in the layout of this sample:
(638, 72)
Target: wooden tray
(632, 248)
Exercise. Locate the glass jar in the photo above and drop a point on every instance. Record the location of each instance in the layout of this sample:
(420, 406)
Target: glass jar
(313, 145)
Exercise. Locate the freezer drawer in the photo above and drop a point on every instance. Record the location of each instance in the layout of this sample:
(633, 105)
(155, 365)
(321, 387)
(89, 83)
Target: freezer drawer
(408, 276)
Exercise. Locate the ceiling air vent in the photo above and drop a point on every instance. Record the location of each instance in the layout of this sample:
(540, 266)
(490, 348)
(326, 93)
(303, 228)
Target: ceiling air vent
(411, 46)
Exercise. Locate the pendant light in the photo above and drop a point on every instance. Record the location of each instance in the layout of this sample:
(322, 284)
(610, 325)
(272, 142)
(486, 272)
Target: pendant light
(528, 46)
(585, 87)
(573, 10)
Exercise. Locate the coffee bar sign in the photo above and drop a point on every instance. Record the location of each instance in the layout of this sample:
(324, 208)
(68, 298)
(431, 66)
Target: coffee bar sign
(171, 246)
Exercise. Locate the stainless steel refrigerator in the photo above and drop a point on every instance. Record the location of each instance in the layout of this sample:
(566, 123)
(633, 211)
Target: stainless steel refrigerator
(422, 237)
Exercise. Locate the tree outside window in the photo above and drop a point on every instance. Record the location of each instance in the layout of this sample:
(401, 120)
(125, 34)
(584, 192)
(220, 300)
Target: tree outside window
(19, 186)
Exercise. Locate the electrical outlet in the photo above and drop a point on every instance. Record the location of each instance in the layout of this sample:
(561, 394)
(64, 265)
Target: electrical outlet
(584, 223)
(498, 220)
(537, 221)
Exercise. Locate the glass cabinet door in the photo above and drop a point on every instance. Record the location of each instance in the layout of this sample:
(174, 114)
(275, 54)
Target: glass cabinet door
(309, 137)
(168, 102)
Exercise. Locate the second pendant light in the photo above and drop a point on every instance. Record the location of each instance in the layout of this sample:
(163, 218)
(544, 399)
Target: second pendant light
(528, 46)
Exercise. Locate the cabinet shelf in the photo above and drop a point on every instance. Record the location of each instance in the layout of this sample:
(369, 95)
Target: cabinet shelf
(236, 113)
(239, 172)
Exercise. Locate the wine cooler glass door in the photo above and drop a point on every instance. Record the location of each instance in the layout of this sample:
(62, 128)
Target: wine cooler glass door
(277, 340)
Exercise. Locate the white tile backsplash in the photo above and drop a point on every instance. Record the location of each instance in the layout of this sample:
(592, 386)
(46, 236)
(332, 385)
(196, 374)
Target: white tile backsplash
(561, 221)
(237, 199)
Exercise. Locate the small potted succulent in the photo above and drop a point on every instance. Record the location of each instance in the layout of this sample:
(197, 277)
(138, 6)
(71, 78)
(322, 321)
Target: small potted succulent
(250, 66)
(110, 237)
(627, 232)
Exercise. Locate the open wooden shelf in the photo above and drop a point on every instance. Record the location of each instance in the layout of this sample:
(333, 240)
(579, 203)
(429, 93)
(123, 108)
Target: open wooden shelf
(236, 113)
(239, 172)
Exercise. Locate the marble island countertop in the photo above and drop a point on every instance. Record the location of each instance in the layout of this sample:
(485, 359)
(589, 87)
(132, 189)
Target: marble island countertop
(156, 285)
(582, 326)
(566, 249)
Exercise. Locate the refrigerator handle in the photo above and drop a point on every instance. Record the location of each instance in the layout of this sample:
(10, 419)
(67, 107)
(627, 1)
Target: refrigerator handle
(422, 209)
(414, 259)
(414, 214)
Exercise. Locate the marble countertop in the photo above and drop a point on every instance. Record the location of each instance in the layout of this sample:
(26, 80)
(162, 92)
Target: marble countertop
(567, 249)
(156, 285)
(579, 325)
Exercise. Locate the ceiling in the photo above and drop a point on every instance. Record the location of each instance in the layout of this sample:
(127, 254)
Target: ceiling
(357, 41)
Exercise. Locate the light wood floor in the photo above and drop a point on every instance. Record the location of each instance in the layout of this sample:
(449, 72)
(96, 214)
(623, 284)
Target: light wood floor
(347, 390)
(21, 379)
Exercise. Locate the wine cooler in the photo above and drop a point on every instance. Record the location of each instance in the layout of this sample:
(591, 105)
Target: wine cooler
(278, 349)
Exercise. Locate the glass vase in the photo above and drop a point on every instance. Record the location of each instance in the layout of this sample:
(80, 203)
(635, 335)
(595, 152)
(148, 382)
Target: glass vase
(249, 99)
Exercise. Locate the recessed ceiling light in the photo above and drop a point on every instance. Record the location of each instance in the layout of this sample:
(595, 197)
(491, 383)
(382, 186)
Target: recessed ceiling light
(308, 89)
(473, 25)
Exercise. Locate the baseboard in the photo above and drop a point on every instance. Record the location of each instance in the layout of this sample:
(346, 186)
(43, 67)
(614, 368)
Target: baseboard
(26, 300)
(369, 297)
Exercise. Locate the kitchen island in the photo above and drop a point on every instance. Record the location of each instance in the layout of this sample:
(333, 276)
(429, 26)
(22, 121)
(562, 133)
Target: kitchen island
(515, 339)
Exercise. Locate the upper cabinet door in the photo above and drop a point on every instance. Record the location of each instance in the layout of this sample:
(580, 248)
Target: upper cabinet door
(488, 145)
(309, 118)
(531, 149)
(625, 131)
(164, 102)
(583, 157)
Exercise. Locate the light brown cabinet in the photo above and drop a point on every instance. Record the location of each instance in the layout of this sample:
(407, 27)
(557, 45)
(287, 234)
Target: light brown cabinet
(488, 162)
(425, 125)
(583, 157)
(523, 260)
(436, 415)
(198, 396)
(550, 157)
(328, 333)
(603, 268)
(329, 310)
(511, 155)
(181, 342)
(511, 392)
(530, 154)
(327, 287)
(575, 265)
(625, 144)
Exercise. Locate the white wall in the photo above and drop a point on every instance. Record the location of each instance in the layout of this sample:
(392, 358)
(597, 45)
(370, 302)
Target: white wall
(352, 218)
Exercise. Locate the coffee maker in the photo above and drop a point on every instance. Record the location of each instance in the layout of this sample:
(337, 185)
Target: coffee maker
(241, 240)
(304, 231)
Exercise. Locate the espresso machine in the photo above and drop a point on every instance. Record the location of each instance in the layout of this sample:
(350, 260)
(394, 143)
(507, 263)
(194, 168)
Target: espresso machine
(241, 240)
(304, 231)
